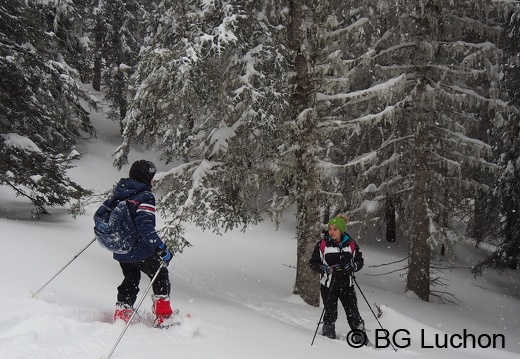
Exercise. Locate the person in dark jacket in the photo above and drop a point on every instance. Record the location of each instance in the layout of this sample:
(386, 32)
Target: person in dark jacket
(336, 257)
(149, 252)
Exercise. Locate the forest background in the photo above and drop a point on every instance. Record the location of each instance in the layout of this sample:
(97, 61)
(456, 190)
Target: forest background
(402, 114)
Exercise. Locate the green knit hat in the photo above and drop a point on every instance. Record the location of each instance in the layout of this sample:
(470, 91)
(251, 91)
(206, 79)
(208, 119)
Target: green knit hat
(339, 223)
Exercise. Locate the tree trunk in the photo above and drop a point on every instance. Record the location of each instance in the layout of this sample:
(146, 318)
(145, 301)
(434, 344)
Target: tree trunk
(479, 219)
(97, 68)
(307, 281)
(302, 102)
(96, 73)
(390, 220)
(418, 278)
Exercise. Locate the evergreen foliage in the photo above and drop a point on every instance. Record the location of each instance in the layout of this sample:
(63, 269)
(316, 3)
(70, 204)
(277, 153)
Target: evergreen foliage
(409, 95)
(67, 23)
(403, 114)
(505, 216)
(119, 34)
(41, 112)
(209, 91)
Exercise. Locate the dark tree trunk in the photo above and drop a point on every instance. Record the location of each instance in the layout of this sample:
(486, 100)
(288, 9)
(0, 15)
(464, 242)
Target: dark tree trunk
(96, 75)
(390, 220)
(97, 68)
(418, 278)
(306, 176)
(479, 219)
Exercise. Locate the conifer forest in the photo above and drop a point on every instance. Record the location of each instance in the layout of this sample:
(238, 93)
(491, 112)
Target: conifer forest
(402, 114)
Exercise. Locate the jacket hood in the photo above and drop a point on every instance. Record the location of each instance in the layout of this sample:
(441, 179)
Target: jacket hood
(127, 187)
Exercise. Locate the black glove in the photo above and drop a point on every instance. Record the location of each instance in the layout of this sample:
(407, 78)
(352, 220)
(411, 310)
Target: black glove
(350, 268)
(343, 270)
(164, 254)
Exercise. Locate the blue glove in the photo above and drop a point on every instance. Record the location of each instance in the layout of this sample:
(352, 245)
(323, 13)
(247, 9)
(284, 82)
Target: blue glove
(164, 254)
(326, 269)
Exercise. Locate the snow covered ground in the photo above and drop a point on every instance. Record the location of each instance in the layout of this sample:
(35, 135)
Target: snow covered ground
(238, 288)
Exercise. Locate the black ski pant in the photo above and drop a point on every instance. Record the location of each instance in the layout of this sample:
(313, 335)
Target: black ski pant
(341, 290)
(127, 291)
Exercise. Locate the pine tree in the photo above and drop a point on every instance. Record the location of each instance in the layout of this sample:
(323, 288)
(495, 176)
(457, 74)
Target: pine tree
(41, 112)
(118, 29)
(409, 95)
(505, 217)
(68, 23)
(209, 87)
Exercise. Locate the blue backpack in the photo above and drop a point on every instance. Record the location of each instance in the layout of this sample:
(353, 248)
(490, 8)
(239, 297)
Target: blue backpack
(114, 228)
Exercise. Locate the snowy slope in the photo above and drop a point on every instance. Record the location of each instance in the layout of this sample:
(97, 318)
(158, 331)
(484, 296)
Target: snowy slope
(237, 288)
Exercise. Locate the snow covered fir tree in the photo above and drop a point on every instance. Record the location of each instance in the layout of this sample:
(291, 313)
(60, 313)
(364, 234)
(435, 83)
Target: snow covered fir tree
(402, 115)
(43, 112)
(415, 89)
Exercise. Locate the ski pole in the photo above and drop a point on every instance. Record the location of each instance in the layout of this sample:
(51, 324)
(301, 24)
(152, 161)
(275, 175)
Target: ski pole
(65, 266)
(375, 316)
(136, 309)
(323, 311)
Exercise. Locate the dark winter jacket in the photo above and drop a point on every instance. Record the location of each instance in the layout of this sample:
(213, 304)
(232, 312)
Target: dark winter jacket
(141, 205)
(329, 253)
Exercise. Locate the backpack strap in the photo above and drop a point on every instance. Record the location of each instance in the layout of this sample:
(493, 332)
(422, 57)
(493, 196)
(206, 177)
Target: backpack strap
(323, 244)
(348, 241)
(352, 247)
(352, 244)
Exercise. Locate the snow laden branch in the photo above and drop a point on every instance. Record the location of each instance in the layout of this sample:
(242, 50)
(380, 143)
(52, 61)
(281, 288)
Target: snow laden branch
(377, 92)
(215, 39)
(368, 158)
(387, 114)
(190, 175)
(209, 194)
(474, 99)
(195, 172)
(351, 28)
(219, 139)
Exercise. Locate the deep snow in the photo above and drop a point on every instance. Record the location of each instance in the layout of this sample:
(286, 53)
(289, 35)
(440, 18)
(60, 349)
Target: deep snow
(238, 288)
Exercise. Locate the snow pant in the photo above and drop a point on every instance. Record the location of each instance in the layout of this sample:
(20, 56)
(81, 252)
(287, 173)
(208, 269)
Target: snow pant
(342, 290)
(127, 291)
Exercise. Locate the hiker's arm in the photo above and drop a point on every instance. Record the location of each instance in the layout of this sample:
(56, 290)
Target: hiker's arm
(145, 220)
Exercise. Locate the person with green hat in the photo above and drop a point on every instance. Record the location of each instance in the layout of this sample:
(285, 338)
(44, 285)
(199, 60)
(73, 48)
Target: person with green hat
(336, 257)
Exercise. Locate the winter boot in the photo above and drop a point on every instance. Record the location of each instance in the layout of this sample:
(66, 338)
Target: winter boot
(162, 310)
(329, 330)
(123, 312)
